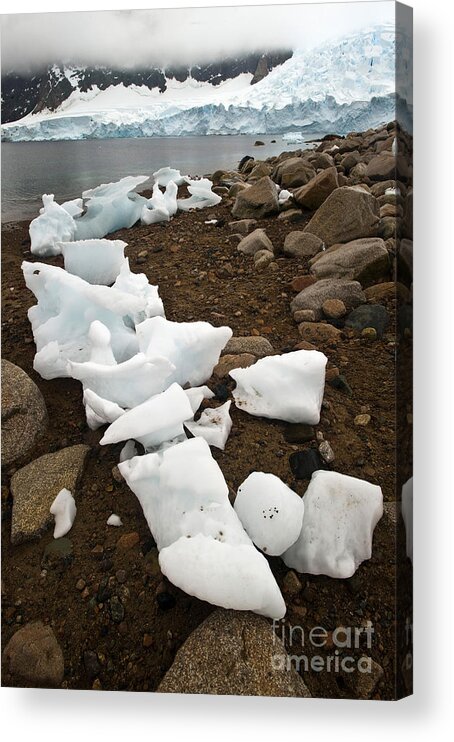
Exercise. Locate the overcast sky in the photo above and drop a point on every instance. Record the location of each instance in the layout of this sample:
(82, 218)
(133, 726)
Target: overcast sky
(179, 36)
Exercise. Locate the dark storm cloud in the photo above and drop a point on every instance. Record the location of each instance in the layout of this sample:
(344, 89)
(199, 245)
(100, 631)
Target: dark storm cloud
(179, 36)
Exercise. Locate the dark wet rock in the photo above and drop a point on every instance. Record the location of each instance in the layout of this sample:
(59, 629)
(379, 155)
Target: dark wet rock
(304, 463)
(299, 433)
(369, 315)
(165, 601)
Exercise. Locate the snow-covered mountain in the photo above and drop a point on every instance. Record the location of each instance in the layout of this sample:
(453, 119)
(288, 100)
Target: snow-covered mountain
(340, 86)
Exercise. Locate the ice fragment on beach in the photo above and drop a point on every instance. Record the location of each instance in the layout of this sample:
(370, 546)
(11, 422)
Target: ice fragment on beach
(128, 451)
(197, 394)
(114, 520)
(64, 511)
(287, 387)
(53, 225)
(96, 261)
(100, 411)
(165, 175)
(137, 285)
(271, 513)
(340, 514)
(201, 196)
(214, 425)
(193, 347)
(204, 548)
(109, 207)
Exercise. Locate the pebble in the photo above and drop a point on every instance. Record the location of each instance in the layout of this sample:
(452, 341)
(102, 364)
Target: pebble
(334, 308)
(128, 541)
(291, 585)
(369, 333)
(117, 611)
(326, 452)
(362, 420)
(148, 640)
(304, 463)
(80, 584)
(298, 433)
(165, 600)
(304, 315)
(116, 474)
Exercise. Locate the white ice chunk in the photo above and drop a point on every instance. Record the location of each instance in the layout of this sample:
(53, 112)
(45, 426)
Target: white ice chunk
(193, 347)
(100, 411)
(236, 577)
(109, 207)
(137, 285)
(64, 511)
(407, 514)
(153, 422)
(284, 196)
(96, 261)
(165, 175)
(114, 520)
(201, 196)
(287, 387)
(74, 207)
(392, 192)
(170, 198)
(197, 394)
(100, 338)
(271, 513)
(340, 514)
(67, 306)
(185, 501)
(155, 209)
(214, 425)
(52, 226)
(394, 147)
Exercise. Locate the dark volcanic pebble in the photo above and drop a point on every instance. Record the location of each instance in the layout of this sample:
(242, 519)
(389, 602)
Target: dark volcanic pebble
(304, 463)
(368, 315)
(299, 433)
(165, 601)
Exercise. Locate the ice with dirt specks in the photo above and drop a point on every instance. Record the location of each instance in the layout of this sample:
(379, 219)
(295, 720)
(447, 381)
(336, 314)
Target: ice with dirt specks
(288, 387)
(271, 513)
(340, 514)
(214, 425)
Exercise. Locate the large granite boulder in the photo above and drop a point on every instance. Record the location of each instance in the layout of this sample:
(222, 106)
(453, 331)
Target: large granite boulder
(313, 297)
(317, 190)
(362, 260)
(258, 201)
(347, 214)
(293, 172)
(24, 414)
(234, 653)
(301, 245)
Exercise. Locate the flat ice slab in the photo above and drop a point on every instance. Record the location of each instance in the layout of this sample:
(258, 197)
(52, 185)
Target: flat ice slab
(96, 261)
(340, 514)
(204, 549)
(271, 513)
(288, 387)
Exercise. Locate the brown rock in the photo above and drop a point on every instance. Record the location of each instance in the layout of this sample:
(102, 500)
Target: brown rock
(302, 245)
(292, 216)
(293, 172)
(229, 362)
(128, 541)
(347, 214)
(363, 260)
(302, 282)
(34, 655)
(262, 259)
(256, 346)
(317, 332)
(243, 226)
(35, 487)
(314, 296)
(317, 190)
(233, 653)
(257, 240)
(24, 414)
(334, 308)
(304, 315)
(386, 167)
(258, 201)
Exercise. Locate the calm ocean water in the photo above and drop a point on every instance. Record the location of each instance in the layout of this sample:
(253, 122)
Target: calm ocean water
(65, 169)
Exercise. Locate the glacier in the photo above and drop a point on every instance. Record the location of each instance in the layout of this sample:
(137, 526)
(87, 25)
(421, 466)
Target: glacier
(343, 85)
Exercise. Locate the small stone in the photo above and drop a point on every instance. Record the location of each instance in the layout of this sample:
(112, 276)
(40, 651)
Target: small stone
(117, 611)
(340, 382)
(334, 308)
(291, 585)
(91, 664)
(116, 474)
(80, 584)
(369, 333)
(298, 433)
(304, 315)
(128, 541)
(326, 452)
(362, 420)
(229, 362)
(317, 332)
(120, 576)
(165, 600)
(256, 346)
(148, 640)
(97, 685)
(304, 463)
(34, 655)
(299, 283)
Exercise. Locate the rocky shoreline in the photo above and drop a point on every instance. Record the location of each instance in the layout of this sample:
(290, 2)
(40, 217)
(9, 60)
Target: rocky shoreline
(314, 270)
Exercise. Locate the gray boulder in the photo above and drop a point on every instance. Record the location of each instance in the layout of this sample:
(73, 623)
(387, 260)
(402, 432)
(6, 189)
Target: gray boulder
(302, 245)
(347, 214)
(24, 414)
(360, 260)
(255, 344)
(258, 201)
(293, 172)
(314, 296)
(257, 240)
(317, 190)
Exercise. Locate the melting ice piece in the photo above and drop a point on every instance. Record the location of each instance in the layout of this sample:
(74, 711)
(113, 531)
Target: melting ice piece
(201, 196)
(193, 347)
(64, 511)
(407, 514)
(153, 422)
(52, 226)
(392, 192)
(340, 514)
(394, 147)
(74, 207)
(109, 207)
(137, 285)
(197, 394)
(67, 306)
(231, 576)
(128, 451)
(284, 196)
(287, 387)
(214, 425)
(271, 513)
(155, 209)
(100, 411)
(165, 175)
(205, 550)
(128, 384)
(96, 261)
(114, 520)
